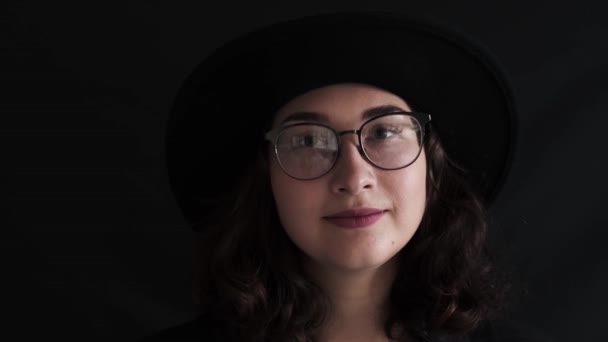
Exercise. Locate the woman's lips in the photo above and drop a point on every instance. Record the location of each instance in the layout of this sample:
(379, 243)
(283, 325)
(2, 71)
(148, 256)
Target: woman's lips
(356, 218)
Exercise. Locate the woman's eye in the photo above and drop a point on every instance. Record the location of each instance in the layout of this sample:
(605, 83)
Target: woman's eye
(307, 141)
(384, 132)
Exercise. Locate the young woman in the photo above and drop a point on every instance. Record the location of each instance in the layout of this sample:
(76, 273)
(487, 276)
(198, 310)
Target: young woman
(337, 169)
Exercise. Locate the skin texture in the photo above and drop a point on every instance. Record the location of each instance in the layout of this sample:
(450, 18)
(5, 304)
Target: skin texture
(355, 267)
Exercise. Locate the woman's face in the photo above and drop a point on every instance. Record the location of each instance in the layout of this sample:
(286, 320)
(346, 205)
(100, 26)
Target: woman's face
(306, 207)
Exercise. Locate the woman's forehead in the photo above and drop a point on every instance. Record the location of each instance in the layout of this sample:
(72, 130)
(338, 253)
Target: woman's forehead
(356, 98)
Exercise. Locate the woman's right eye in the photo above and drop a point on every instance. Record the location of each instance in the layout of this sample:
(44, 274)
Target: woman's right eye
(308, 140)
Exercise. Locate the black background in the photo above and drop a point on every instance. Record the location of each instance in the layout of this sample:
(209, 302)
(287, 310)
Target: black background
(94, 247)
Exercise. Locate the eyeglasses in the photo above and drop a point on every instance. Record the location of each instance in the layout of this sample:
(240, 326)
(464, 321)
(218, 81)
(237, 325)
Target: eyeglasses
(310, 150)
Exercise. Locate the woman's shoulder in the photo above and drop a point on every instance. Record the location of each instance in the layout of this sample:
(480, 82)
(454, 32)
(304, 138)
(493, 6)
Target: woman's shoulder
(495, 331)
(507, 331)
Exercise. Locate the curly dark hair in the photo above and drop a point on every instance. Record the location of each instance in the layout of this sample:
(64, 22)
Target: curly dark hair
(253, 286)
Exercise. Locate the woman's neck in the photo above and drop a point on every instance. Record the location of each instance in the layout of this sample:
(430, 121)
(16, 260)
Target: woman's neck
(358, 299)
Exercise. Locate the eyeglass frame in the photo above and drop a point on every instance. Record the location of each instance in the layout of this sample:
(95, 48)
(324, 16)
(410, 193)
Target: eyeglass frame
(423, 119)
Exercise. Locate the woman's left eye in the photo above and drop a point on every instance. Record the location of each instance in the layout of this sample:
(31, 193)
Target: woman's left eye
(384, 132)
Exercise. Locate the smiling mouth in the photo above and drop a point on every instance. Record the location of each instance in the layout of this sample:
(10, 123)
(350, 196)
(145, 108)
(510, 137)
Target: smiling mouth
(355, 219)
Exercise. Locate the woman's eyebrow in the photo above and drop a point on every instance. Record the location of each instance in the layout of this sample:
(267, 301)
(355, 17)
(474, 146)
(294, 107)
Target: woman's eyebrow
(320, 117)
(379, 110)
(305, 116)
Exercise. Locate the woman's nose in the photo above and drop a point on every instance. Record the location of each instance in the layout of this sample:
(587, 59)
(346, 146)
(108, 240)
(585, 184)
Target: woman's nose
(352, 173)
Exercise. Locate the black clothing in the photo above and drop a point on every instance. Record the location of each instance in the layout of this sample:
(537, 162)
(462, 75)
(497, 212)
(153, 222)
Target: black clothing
(202, 329)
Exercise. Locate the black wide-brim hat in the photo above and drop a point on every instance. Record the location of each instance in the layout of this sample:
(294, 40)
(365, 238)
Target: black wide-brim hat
(223, 108)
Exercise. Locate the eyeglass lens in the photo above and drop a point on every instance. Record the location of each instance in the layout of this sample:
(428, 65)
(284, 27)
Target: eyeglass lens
(309, 151)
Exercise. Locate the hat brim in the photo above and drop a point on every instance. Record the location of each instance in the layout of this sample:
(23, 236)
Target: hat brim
(220, 113)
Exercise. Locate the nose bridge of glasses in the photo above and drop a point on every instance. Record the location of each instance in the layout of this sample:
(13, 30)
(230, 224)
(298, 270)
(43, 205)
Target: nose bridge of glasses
(356, 133)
